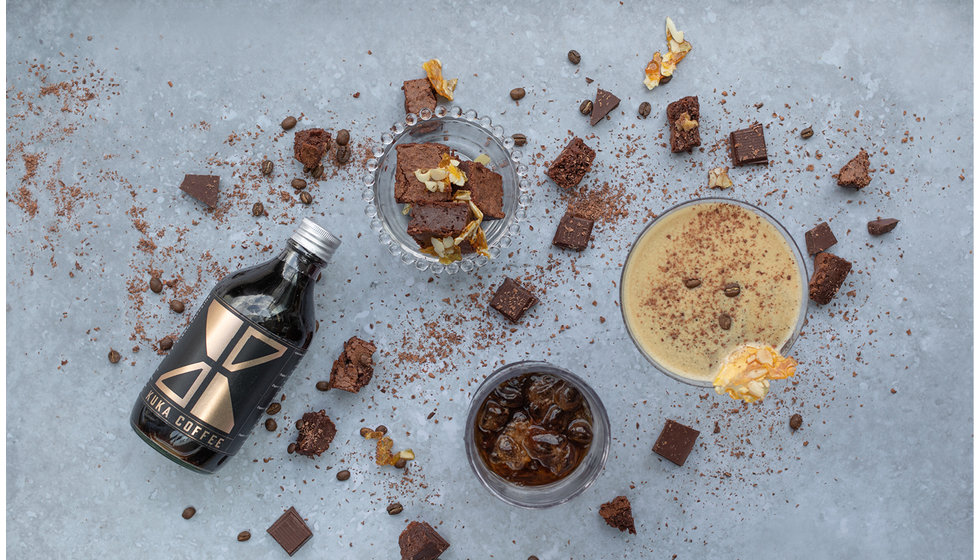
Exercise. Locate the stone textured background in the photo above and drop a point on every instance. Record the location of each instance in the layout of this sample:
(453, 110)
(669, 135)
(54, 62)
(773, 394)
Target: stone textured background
(872, 473)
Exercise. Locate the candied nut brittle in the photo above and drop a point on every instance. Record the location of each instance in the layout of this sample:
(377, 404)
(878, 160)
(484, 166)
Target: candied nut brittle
(746, 372)
(448, 249)
(383, 455)
(718, 178)
(441, 178)
(444, 87)
(663, 66)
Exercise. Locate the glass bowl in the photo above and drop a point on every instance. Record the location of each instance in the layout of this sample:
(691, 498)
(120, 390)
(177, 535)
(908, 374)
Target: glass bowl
(469, 135)
(794, 250)
(560, 491)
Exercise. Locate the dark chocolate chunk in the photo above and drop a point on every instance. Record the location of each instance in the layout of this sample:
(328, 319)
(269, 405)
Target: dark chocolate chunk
(820, 238)
(512, 300)
(438, 219)
(829, 272)
(486, 189)
(748, 146)
(290, 531)
(618, 514)
(409, 159)
(419, 95)
(316, 431)
(419, 541)
(354, 368)
(604, 103)
(682, 137)
(675, 442)
(573, 232)
(855, 173)
(309, 146)
(571, 164)
(204, 188)
(880, 226)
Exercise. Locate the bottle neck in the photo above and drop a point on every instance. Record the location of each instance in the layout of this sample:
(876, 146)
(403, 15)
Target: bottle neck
(298, 264)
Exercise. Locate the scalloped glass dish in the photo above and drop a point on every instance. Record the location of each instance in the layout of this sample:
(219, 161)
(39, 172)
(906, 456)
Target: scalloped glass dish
(469, 135)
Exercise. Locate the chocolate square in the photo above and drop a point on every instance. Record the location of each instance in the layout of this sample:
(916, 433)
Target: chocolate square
(512, 300)
(571, 164)
(881, 226)
(748, 146)
(290, 531)
(604, 103)
(855, 173)
(409, 159)
(486, 189)
(618, 513)
(419, 541)
(684, 140)
(354, 368)
(573, 232)
(310, 145)
(438, 219)
(675, 442)
(204, 188)
(316, 431)
(829, 272)
(820, 238)
(419, 95)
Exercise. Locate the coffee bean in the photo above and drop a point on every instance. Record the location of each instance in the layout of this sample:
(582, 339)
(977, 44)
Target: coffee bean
(244, 536)
(394, 508)
(307, 169)
(258, 209)
(574, 57)
(400, 463)
(732, 289)
(291, 448)
(177, 306)
(365, 432)
(267, 167)
(166, 343)
(532, 557)
(343, 137)
(519, 139)
(270, 424)
(298, 184)
(807, 132)
(299, 424)
(692, 283)
(725, 321)
(322, 385)
(665, 79)
(288, 122)
(188, 512)
(644, 109)
(114, 357)
(586, 107)
(156, 286)
(317, 171)
(795, 421)
(342, 154)
(343, 475)
(305, 197)
(382, 428)
(517, 94)
(274, 408)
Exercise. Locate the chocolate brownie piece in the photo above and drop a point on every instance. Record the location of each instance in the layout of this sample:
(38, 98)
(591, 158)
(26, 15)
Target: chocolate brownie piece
(618, 514)
(438, 219)
(571, 164)
(204, 188)
(748, 146)
(486, 189)
(684, 138)
(354, 368)
(855, 173)
(316, 431)
(676, 442)
(310, 145)
(604, 103)
(820, 238)
(573, 232)
(419, 541)
(409, 159)
(881, 226)
(512, 300)
(419, 95)
(829, 272)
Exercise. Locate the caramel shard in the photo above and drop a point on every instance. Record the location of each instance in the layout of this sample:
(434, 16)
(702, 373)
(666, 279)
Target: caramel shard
(383, 454)
(661, 68)
(718, 178)
(445, 88)
(746, 372)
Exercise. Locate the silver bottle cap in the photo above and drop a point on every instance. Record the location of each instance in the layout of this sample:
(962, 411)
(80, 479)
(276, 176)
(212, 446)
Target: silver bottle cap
(316, 240)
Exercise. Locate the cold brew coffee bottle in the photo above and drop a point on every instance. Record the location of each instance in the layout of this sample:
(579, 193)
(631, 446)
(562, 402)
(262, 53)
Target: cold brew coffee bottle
(253, 329)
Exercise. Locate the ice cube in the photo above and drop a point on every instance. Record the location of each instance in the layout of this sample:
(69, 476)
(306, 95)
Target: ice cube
(550, 449)
(508, 450)
(579, 431)
(493, 417)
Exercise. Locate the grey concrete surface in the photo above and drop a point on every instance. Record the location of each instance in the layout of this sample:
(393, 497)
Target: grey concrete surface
(882, 467)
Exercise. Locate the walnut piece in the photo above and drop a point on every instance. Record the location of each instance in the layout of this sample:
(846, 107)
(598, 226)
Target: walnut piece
(718, 178)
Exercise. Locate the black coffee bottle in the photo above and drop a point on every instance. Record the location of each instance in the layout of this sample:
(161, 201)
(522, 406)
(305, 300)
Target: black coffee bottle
(253, 329)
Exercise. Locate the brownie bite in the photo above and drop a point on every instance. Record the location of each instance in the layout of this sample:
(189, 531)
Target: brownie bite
(512, 300)
(618, 514)
(486, 189)
(354, 368)
(829, 272)
(855, 173)
(410, 158)
(419, 541)
(573, 232)
(571, 164)
(419, 95)
(683, 118)
(310, 145)
(316, 431)
(438, 219)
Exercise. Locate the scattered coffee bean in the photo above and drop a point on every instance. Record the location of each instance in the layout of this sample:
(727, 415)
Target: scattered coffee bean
(807, 132)
(244, 536)
(288, 122)
(400, 463)
(305, 197)
(343, 137)
(644, 109)
(666, 79)
(532, 557)
(177, 306)
(156, 286)
(691, 283)
(307, 169)
(732, 289)
(365, 432)
(270, 424)
(795, 421)
(343, 475)
(258, 209)
(188, 512)
(291, 448)
(394, 508)
(114, 357)
(317, 171)
(725, 321)
(382, 428)
(299, 423)
(574, 57)
(267, 167)
(322, 385)
(298, 184)
(517, 94)
(586, 107)
(519, 139)
(166, 343)
(343, 154)
(274, 408)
